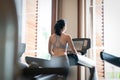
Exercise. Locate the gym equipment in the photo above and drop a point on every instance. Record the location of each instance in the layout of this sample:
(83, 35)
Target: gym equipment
(112, 59)
(44, 68)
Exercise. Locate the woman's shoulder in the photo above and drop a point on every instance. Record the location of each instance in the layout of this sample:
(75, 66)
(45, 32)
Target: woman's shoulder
(67, 35)
(52, 35)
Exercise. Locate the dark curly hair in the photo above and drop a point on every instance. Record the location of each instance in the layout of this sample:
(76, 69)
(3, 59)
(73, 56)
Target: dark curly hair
(60, 24)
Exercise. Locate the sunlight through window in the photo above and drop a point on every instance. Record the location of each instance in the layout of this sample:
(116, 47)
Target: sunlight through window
(44, 28)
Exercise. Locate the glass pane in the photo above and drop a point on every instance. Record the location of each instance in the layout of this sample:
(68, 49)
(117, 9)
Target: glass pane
(44, 28)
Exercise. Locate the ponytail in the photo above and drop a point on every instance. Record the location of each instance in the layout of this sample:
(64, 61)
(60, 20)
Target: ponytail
(59, 26)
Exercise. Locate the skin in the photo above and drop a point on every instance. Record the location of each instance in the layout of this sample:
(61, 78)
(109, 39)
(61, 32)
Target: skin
(64, 39)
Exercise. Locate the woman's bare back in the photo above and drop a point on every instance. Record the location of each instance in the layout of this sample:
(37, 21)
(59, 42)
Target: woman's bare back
(59, 45)
(64, 41)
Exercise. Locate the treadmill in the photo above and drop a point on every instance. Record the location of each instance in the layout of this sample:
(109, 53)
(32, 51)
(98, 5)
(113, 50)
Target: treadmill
(81, 44)
(112, 59)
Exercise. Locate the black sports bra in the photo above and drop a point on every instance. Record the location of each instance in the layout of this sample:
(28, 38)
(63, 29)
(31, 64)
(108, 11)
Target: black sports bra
(58, 44)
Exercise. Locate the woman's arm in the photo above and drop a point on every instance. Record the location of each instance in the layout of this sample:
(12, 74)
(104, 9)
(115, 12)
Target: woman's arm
(50, 47)
(71, 45)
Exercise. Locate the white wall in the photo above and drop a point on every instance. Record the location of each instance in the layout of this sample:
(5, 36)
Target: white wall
(112, 26)
(69, 13)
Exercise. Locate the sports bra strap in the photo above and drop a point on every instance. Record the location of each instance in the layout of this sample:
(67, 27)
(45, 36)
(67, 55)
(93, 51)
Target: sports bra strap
(58, 44)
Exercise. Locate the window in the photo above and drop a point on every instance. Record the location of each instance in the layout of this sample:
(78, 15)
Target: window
(36, 27)
(95, 23)
(44, 28)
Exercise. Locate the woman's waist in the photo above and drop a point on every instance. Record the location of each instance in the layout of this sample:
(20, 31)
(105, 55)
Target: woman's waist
(59, 57)
(59, 53)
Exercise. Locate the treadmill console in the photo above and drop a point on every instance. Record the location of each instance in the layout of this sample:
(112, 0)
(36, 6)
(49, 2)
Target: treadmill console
(81, 45)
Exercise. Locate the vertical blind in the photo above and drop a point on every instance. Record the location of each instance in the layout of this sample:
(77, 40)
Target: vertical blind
(31, 27)
(99, 36)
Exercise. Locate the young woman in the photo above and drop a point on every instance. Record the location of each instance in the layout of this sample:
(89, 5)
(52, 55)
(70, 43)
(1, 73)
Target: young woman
(57, 47)
(59, 42)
